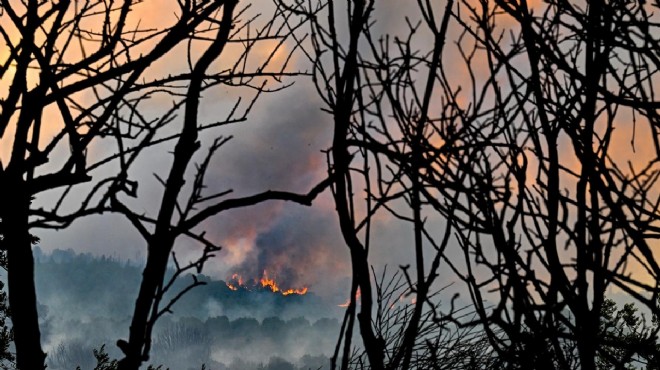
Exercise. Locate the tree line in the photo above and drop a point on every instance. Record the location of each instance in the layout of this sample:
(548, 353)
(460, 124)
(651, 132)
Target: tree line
(189, 343)
(515, 140)
(72, 286)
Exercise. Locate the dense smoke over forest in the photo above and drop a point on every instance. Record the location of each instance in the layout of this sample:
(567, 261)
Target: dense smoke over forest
(82, 307)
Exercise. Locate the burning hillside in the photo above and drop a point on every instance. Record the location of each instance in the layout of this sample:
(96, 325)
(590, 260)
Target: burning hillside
(237, 282)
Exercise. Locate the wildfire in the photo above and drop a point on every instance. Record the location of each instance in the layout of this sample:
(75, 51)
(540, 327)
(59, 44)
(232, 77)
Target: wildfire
(236, 282)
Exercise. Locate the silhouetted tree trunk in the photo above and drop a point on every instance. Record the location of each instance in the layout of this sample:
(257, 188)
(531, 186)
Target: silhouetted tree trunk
(21, 288)
(160, 244)
(342, 99)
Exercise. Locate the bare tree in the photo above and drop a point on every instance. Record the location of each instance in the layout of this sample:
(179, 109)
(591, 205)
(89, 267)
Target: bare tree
(40, 40)
(554, 212)
(336, 83)
(174, 219)
(518, 149)
(379, 89)
(75, 71)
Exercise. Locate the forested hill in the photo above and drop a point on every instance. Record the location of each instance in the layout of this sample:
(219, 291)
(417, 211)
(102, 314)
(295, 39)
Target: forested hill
(87, 286)
(86, 302)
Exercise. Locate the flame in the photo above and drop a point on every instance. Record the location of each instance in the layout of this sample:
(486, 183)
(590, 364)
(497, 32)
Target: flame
(269, 283)
(300, 291)
(265, 282)
(235, 283)
(348, 301)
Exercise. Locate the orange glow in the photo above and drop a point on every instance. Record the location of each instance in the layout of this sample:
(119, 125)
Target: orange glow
(348, 301)
(300, 291)
(265, 282)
